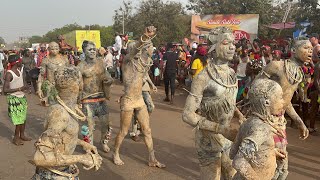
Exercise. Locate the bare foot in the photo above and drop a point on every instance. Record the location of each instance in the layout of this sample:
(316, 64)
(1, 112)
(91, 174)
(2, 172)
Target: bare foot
(17, 141)
(117, 160)
(105, 147)
(25, 138)
(156, 164)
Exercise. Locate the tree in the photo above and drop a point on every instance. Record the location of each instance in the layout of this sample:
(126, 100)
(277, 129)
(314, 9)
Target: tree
(2, 41)
(122, 15)
(106, 34)
(308, 10)
(53, 34)
(36, 39)
(170, 19)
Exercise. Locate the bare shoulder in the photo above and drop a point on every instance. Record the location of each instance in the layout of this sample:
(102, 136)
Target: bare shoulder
(81, 65)
(200, 81)
(8, 77)
(45, 61)
(276, 64)
(65, 59)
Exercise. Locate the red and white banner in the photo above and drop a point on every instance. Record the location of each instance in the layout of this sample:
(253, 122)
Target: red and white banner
(243, 25)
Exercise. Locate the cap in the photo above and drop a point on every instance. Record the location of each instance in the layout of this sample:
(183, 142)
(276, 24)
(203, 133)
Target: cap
(194, 46)
(201, 51)
(316, 35)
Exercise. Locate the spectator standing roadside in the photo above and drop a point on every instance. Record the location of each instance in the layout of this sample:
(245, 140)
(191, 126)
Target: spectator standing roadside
(170, 58)
(200, 61)
(2, 59)
(315, 89)
(17, 102)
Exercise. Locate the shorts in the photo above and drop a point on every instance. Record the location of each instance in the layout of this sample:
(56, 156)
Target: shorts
(17, 109)
(44, 174)
(96, 108)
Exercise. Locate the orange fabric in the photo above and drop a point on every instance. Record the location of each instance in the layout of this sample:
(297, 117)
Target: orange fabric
(93, 100)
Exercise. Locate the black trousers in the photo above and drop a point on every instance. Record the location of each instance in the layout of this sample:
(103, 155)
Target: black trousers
(169, 79)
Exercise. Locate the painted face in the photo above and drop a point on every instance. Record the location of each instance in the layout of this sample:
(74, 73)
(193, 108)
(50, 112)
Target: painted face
(42, 48)
(90, 51)
(225, 49)
(276, 102)
(313, 40)
(54, 49)
(304, 52)
(149, 51)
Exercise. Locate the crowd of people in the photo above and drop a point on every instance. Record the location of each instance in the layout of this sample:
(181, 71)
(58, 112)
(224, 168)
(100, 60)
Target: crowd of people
(58, 75)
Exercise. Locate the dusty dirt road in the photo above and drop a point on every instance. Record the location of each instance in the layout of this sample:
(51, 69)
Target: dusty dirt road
(173, 143)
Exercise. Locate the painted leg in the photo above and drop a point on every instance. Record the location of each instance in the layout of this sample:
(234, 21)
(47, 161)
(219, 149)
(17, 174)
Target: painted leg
(211, 171)
(105, 132)
(227, 170)
(125, 121)
(143, 119)
(91, 123)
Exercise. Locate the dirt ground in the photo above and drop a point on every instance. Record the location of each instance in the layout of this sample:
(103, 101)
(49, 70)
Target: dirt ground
(173, 143)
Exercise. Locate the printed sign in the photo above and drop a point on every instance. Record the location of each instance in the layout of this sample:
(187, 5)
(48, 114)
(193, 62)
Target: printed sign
(243, 25)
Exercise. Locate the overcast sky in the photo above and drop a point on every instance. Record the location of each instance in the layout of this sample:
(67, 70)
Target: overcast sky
(36, 17)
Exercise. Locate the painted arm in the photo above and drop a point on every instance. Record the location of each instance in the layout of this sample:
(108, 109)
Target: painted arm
(235, 147)
(154, 88)
(242, 166)
(239, 115)
(193, 101)
(247, 148)
(107, 81)
(43, 69)
(304, 132)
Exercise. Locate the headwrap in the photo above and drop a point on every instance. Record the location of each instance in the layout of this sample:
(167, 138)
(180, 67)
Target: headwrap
(16, 60)
(277, 52)
(267, 48)
(202, 51)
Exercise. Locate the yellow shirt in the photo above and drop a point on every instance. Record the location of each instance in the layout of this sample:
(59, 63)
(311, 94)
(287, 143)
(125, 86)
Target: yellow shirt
(197, 65)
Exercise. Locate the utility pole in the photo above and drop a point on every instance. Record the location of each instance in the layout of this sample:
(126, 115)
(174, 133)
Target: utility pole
(122, 22)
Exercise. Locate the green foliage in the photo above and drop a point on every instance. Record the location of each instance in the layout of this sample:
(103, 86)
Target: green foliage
(106, 33)
(36, 39)
(170, 19)
(308, 10)
(2, 41)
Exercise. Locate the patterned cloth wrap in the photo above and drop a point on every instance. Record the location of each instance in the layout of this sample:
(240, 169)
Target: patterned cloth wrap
(17, 109)
(97, 108)
(44, 174)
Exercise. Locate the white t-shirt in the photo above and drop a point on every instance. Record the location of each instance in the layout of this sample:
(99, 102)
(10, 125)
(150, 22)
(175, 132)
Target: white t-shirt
(108, 61)
(1, 58)
(118, 43)
(241, 69)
